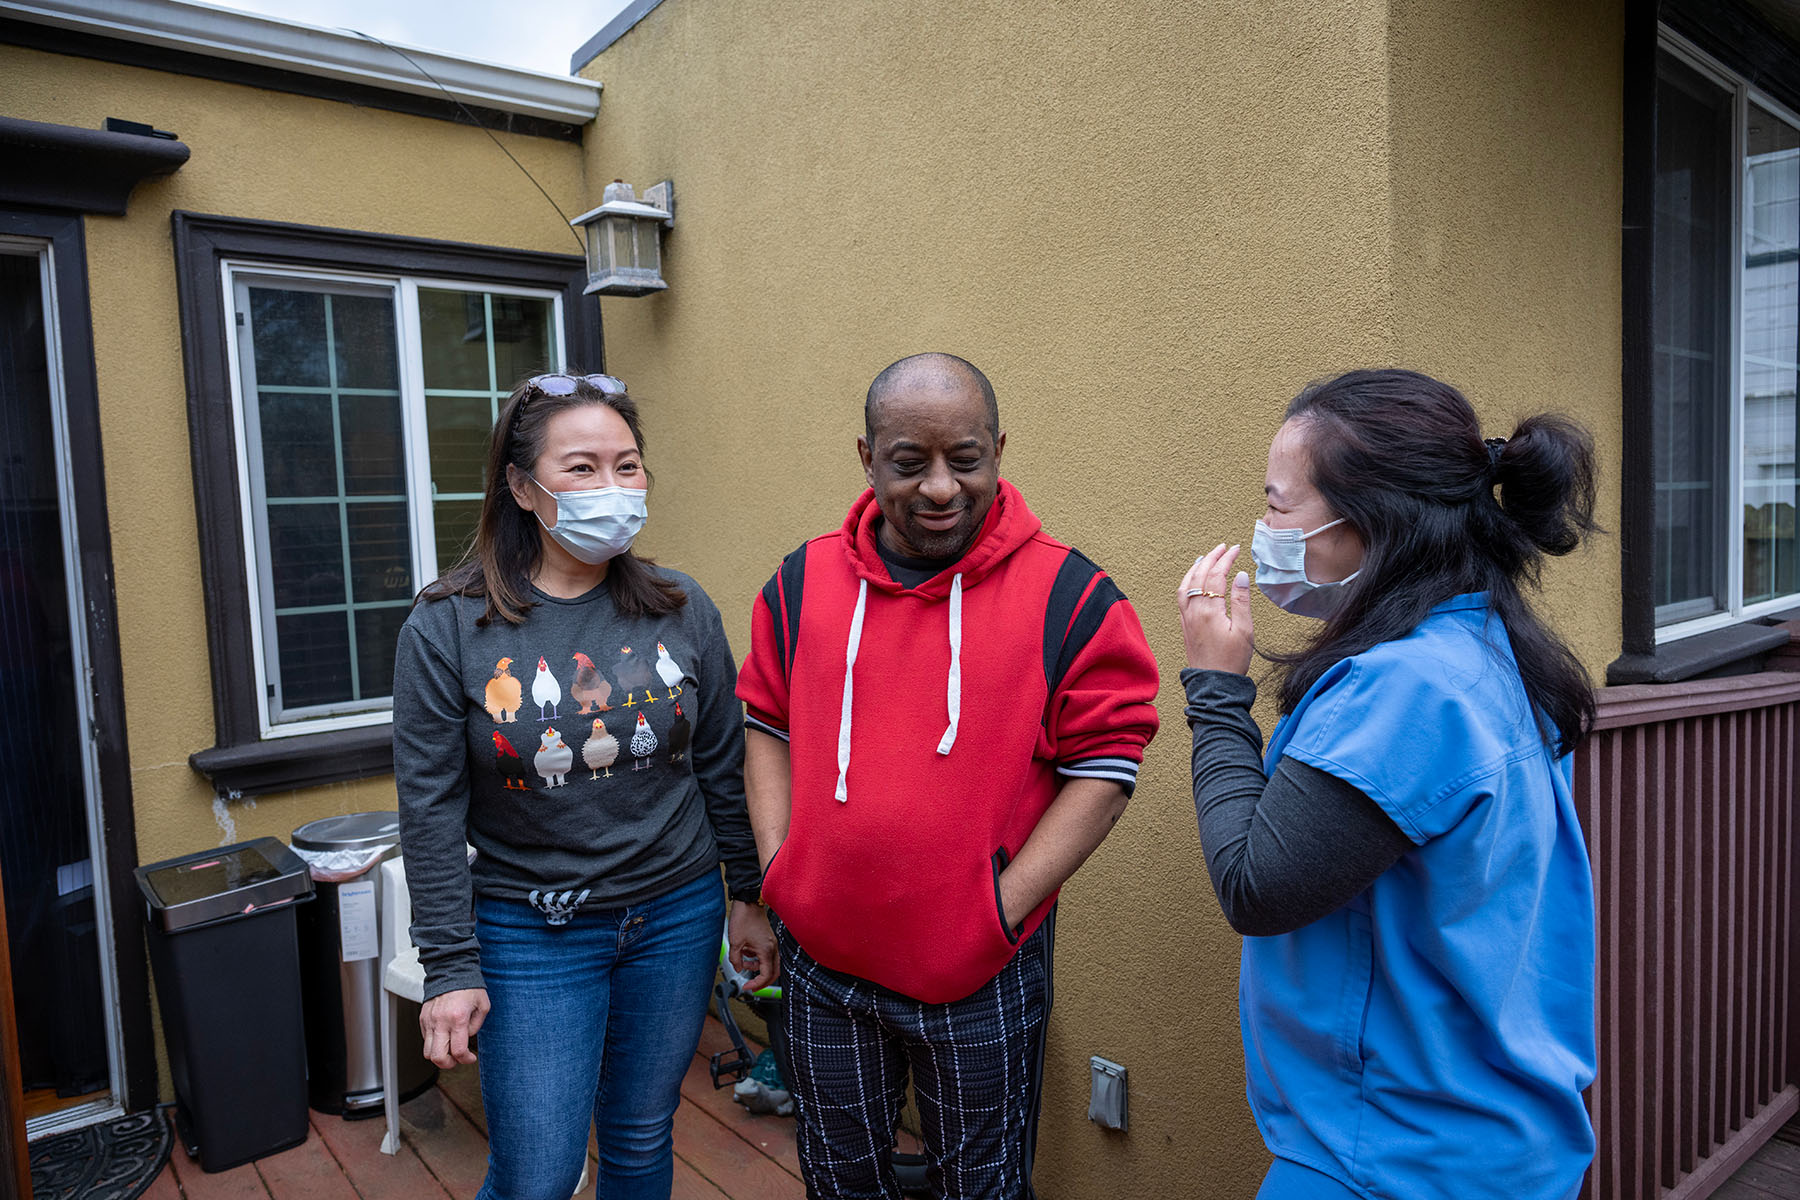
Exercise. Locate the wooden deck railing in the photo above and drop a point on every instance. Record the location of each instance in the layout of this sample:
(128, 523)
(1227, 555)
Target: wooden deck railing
(1687, 793)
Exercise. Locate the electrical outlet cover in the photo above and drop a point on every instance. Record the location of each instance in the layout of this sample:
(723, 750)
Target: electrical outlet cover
(1106, 1103)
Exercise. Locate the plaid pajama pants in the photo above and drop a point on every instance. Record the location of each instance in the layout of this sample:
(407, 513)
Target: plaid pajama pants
(976, 1066)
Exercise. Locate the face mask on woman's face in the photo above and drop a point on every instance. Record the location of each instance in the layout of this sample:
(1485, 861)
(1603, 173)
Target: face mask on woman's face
(598, 524)
(1280, 557)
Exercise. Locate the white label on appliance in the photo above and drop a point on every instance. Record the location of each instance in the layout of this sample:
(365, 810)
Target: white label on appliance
(356, 920)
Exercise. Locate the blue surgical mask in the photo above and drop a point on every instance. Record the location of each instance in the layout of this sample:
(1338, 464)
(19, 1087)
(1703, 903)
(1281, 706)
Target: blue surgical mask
(597, 524)
(1280, 557)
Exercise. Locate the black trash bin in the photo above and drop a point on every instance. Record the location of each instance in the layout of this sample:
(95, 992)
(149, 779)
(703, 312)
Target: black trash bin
(226, 958)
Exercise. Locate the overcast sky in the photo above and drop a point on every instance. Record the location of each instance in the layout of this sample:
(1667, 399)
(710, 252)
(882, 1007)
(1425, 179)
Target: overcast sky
(540, 34)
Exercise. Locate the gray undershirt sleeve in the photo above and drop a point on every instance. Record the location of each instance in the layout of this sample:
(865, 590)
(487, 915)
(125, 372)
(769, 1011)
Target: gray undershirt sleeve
(1282, 850)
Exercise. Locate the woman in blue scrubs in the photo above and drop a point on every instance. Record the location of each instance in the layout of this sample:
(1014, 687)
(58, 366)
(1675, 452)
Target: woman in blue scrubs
(1417, 984)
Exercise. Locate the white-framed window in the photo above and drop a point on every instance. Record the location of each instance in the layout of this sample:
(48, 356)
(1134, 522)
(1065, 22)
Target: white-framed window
(362, 405)
(1726, 346)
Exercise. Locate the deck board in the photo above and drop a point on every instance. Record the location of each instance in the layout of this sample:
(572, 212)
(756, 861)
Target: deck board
(164, 1187)
(722, 1151)
(691, 1185)
(733, 1165)
(771, 1136)
(1782, 1155)
(307, 1172)
(239, 1183)
(357, 1147)
(447, 1142)
(1761, 1173)
(1773, 1172)
(463, 1087)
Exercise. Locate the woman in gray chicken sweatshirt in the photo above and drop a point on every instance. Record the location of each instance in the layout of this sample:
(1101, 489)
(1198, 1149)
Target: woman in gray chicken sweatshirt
(568, 709)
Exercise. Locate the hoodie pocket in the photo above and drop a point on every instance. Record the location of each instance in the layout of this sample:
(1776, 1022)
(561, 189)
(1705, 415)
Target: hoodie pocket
(769, 872)
(998, 860)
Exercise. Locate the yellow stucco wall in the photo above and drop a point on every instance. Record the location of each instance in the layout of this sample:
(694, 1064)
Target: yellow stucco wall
(256, 154)
(1150, 226)
(1507, 137)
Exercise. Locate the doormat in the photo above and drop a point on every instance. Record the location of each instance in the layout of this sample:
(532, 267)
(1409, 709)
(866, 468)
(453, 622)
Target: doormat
(114, 1160)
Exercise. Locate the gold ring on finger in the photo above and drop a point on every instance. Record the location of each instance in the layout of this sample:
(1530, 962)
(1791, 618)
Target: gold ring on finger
(1204, 592)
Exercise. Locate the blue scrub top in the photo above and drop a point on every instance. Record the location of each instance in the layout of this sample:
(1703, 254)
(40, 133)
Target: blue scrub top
(1432, 1037)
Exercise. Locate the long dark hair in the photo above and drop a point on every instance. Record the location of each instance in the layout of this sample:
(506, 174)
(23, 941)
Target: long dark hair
(508, 545)
(1441, 512)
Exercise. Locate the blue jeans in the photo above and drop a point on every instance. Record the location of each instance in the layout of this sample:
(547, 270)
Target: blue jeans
(592, 1021)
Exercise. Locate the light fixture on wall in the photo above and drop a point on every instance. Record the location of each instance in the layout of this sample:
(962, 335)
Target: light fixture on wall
(624, 239)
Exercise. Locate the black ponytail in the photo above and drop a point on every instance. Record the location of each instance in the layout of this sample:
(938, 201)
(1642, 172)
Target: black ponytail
(1441, 512)
(1545, 474)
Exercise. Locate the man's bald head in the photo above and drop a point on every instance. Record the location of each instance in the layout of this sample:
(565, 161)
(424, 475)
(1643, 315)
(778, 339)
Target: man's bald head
(929, 372)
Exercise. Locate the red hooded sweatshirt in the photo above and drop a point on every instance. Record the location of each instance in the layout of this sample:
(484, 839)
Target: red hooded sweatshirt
(929, 729)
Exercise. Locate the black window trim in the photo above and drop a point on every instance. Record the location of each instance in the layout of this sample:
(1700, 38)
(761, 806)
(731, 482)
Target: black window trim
(1747, 45)
(242, 762)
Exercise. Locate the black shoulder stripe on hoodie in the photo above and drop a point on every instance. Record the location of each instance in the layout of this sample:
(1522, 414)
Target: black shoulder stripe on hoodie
(1100, 599)
(771, 598)
(1063, 639)
(782, 596)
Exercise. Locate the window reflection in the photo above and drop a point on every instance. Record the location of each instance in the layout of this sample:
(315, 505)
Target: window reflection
(1691, 417)
(1771, 353)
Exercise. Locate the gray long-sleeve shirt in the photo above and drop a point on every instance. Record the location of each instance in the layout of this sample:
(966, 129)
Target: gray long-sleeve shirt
(591, 759)
(1285, 849)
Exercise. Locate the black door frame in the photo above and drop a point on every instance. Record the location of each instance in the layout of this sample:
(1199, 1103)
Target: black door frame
(137, 1088)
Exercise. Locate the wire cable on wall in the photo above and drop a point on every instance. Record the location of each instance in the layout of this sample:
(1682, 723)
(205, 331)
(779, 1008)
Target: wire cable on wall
(473, 120)
(551, 200)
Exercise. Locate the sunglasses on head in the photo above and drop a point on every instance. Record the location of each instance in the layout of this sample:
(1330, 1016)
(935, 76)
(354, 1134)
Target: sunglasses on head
(565, 385)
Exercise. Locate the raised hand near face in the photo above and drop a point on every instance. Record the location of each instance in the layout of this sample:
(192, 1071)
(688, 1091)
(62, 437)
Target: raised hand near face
(1215, 614)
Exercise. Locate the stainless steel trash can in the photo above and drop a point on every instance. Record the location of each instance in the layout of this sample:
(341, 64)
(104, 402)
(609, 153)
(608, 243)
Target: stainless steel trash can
(340, 973)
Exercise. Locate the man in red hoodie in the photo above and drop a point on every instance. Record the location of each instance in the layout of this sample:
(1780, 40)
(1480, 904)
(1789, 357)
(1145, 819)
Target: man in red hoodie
(946, 711)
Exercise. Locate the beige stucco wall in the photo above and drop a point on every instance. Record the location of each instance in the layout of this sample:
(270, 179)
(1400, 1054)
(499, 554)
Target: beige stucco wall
(1507, 137)
(1150, 227)
(256, 154)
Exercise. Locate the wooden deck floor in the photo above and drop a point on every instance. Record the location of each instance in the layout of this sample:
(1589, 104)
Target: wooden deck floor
(722, 1151)
(1773, 1173)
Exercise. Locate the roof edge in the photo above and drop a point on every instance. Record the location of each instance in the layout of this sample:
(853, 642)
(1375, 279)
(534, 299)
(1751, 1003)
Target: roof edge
(611, 32)
(340, 54)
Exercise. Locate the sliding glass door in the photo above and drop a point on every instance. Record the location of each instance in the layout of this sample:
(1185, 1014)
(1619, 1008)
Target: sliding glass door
(57, 909)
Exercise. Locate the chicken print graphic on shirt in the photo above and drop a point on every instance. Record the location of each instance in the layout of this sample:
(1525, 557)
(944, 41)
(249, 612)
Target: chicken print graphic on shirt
(643, 743)
(554, 758)
(503, 694)
(601, 751)
(633, 673)
(589, 687)
(509, 764)
(680, 734)
(668, 671)
(546, 693)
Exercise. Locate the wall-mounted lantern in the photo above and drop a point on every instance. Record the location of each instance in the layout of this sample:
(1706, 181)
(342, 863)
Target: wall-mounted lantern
(624, 239)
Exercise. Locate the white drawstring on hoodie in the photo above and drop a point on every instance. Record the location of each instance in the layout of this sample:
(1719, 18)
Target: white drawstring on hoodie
(952, 686)
(856, 623)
